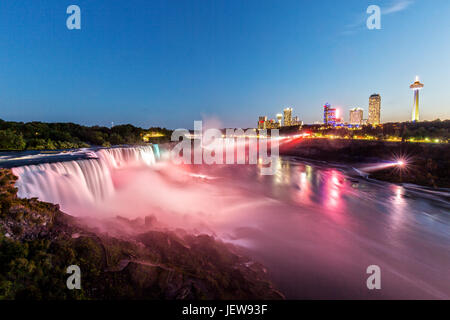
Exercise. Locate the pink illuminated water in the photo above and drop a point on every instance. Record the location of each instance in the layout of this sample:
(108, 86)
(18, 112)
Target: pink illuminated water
(315, 227)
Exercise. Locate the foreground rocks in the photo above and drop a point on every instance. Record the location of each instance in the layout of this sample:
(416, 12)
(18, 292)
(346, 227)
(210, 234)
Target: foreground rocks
(38, 242)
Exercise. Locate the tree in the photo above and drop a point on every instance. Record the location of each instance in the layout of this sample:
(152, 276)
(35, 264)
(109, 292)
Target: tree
(10, 140)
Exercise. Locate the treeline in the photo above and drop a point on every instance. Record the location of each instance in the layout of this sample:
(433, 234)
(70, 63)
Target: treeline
(51, 136)
(431, 130)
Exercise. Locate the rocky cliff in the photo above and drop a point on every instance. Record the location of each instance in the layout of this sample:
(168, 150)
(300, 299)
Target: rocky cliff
(118, 258)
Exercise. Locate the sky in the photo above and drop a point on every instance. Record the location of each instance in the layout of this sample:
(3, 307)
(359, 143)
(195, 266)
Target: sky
(168, 63)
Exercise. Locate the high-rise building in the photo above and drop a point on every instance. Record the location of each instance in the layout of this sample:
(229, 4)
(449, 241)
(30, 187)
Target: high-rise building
(272, 124)
(329, 115)
(287, 117)
(374, 109)
(416, 87)
(289, 120)
(356, 116)
(262, 122)
(280, 119)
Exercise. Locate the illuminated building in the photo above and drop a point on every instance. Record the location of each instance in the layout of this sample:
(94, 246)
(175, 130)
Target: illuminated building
(280, 119)
(356, 116)
(296, 121)
(416, 87)
(272, 124)
(338, 118)
(329, 115)
(262, 122)
(147, 136)
(374, 109)
(287, 117)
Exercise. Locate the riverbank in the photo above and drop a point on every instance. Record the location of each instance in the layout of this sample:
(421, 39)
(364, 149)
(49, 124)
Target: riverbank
(426, 164)
(119, 258)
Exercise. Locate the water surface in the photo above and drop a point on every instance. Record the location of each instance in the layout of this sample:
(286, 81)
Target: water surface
(316, 227)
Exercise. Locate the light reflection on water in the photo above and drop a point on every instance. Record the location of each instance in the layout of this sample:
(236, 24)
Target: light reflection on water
(316, 227)
(326, 227)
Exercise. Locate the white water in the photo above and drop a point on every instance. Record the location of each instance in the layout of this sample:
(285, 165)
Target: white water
(125, 182)
(80, 182)
(314, 227)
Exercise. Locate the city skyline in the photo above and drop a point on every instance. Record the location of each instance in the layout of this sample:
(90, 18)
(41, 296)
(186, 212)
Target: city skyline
(168, 64)
(332, 116)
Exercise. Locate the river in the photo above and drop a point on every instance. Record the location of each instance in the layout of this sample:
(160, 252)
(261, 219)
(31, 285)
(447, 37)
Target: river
(315, 226)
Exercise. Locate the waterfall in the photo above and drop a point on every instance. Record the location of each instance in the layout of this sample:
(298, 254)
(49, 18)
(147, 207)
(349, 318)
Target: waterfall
(80, 181)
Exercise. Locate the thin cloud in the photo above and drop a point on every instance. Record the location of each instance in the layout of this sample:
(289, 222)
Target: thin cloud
(397, 7)
(360, 22)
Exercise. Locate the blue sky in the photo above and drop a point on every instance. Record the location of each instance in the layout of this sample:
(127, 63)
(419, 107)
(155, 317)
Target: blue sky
(168, 63)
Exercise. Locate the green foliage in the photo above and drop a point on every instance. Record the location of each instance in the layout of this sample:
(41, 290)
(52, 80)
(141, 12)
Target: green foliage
(52, 136)
(10, 140)
(37, 269)
(37, 246)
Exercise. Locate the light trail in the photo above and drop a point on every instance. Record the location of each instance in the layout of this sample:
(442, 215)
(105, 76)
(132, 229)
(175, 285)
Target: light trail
(380, 166)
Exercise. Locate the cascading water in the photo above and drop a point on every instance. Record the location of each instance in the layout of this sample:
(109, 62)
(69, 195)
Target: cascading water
(80, 182)
(119, 157)
(315, 227)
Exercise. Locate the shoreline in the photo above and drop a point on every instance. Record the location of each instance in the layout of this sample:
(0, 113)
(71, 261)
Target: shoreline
(161, 263)
(428, 165)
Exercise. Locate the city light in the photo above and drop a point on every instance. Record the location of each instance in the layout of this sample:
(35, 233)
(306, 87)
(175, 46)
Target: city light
(401, 163)
(416, 87)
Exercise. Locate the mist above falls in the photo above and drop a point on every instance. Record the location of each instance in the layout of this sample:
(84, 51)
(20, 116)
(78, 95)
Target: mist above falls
(313, 226)
(129, 182)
